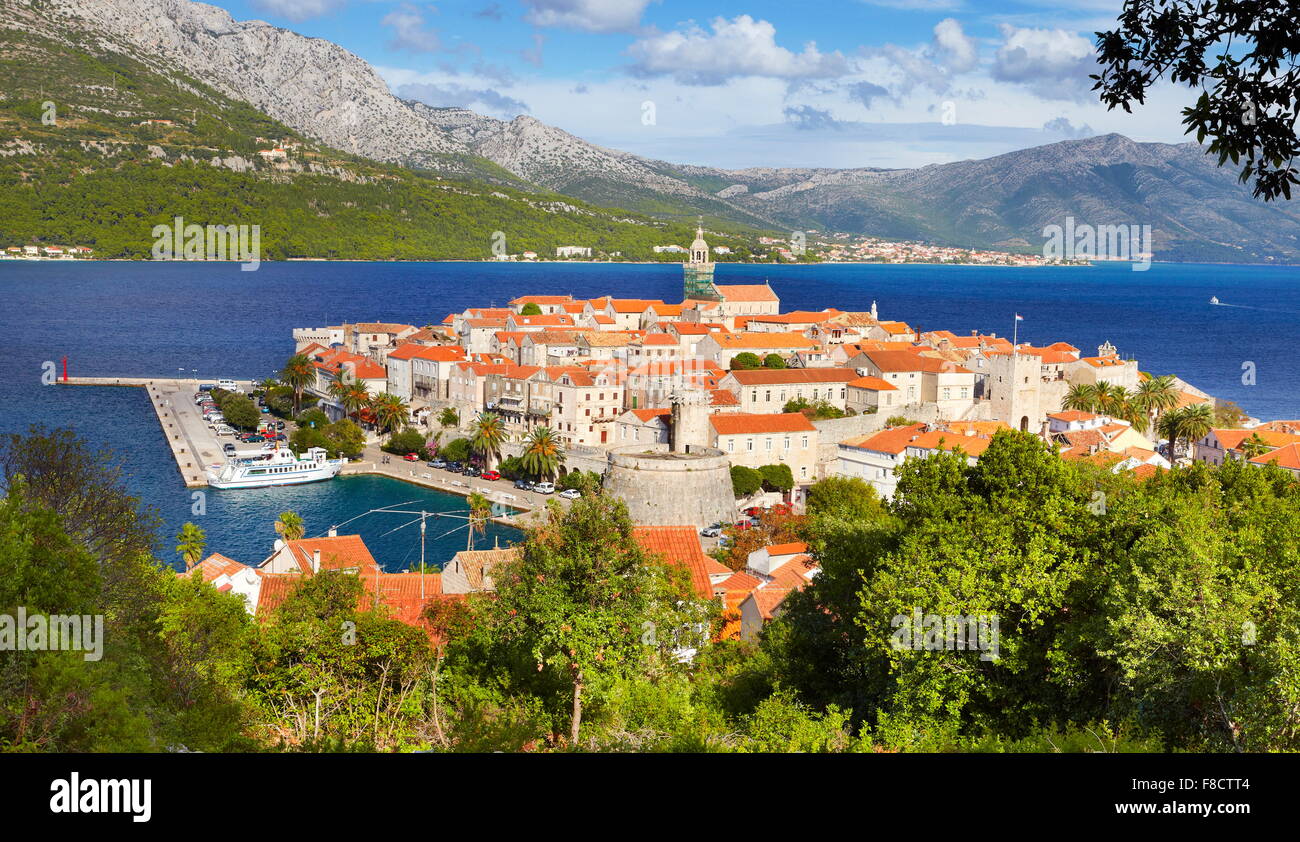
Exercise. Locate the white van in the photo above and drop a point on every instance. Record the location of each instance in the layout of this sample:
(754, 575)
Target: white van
(228, 385)
(544, 488)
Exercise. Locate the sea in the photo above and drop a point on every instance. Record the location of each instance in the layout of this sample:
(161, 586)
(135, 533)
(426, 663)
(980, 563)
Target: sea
(210, 320)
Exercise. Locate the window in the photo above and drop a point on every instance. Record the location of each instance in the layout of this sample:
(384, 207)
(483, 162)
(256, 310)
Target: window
(947, 393)
(749, 444)
(753, 396)
(804, 443)
(803, 472)
(731, 445)
(767, 396)
(787, 442)
(768, 443)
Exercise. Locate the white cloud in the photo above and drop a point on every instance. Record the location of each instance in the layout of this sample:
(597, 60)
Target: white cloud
(1054, 63)
(588, 15)
(735, 48)
(298, 10)
(953, 48)
(918, 5)
(409, 31)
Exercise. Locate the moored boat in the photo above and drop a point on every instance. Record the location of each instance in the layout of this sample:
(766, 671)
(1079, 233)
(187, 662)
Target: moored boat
(278, 466)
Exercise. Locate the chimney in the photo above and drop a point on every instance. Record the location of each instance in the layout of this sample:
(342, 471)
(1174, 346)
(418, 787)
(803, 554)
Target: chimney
(315, 561)
(333, 533)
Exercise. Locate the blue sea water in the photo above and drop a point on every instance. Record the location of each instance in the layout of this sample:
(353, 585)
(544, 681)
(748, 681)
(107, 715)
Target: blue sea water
(162, 319)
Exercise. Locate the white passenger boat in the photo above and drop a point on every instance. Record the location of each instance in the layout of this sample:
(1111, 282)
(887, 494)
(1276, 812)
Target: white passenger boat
(278, 466)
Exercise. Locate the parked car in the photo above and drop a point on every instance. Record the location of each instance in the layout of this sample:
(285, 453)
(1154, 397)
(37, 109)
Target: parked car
(412, 457)
(437, 463)
(228, 448)
(491, 476)
(255, 438)
(544, 488)
(226, 385)
(523, 485)
(472, 471)
(712, 531)
(455, 467)
(744, 524)
(206, 387)
(570, 494)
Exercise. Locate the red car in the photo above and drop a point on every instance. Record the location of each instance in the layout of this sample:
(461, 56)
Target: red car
(754, 511)
(411, 457)
(744, 524)
(491, 475)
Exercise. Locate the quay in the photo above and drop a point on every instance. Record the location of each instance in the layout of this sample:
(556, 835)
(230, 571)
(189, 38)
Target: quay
(194, 446)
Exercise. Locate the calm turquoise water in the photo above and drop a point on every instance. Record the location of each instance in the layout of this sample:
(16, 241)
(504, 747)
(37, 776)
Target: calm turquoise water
(161, 318)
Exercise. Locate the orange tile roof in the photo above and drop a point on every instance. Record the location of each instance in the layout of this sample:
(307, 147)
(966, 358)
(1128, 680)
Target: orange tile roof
(1072, 415)
(778, 339)
(936, 440)
(679, 546)
(647, 414)
(893, 440)
(874, 384)
(745, 292)
(442, 353)
(723, 397)
(338, 553)
(541, 299)
(792, 548)
(215, 566)
(737, 424)
(764, 376)
(768, 600)
(1283, 457)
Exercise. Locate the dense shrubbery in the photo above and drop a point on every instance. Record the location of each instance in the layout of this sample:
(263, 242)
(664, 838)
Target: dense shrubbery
(1089, 573)
(340, 438)
(407, 441)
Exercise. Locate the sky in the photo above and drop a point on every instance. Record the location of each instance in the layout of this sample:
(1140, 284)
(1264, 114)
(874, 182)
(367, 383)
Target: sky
(752, 83)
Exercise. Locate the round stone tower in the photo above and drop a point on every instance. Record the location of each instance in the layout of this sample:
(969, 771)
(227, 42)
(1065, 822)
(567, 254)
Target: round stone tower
(689, 428)
(682, 483)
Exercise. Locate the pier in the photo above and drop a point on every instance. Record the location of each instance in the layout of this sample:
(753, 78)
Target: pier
(194, 446)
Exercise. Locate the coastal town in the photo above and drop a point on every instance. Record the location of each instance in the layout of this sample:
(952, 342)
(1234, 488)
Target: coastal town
(673, 404)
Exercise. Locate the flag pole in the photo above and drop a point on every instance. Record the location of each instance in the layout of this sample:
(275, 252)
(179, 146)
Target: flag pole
(1015, 334)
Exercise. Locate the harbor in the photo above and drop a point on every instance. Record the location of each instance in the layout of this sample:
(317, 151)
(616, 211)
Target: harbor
(194, 446)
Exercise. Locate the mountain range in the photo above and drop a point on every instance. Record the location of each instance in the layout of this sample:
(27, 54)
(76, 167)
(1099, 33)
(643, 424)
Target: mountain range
(326, 94)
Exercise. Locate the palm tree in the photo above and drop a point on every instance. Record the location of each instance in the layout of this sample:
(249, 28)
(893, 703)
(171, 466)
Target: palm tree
(351, 396)
(190, 542)
(1157, 395)
(480, 508)
(449, 417)
(290, 526)
(1197, 421)
(542, 454)
(391, 412)
(1082, 396)
(299, 373)
(1191, 423)
(489, 433)
(1109, 398)
(1255, 446)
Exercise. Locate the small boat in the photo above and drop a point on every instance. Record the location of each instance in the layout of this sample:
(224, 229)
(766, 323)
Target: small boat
(279, 466)
(1214, 299)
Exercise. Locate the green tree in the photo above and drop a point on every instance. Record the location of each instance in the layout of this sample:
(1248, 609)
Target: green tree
(448, 417)
(391, 412)
(1082, 397)
(189, 544)
(1255, 446)
(582, 605)
(745, 481)
(773, 361)
(480, 510)
(456, 450)
(777, 477)
(849, 498)
(290, 526)
(298, 373)
(745, 361)
(530, 309)
(1248, 98)
(240, 412)
(542, 454)
(488, 436)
